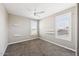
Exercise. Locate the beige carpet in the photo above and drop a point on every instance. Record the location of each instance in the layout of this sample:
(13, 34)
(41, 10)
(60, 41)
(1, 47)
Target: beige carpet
(37, 47)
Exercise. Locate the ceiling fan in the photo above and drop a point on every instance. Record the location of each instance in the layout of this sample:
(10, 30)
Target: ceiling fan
(37, 13)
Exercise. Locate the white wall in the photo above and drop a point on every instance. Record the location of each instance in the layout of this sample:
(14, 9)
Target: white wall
(19, 29)
(47, 24)
(3, 29)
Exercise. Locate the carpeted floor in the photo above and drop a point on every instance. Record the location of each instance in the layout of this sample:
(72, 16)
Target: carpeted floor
(37, 47)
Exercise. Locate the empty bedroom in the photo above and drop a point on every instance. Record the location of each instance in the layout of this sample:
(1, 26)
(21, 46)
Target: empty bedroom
(38, 29)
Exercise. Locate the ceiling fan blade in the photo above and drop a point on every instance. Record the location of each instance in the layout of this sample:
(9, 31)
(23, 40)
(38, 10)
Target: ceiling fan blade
(40, 12)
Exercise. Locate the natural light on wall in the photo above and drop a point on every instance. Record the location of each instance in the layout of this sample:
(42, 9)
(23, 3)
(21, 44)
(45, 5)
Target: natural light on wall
(33, 27)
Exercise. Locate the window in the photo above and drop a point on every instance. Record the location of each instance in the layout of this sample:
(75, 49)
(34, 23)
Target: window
(63, 26)
(33, 27)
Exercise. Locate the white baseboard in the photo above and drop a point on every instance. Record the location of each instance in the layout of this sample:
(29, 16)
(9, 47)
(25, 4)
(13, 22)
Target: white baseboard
(5, 49)
(21, 41)
(44, 40)
(2, 52)
(59, 45)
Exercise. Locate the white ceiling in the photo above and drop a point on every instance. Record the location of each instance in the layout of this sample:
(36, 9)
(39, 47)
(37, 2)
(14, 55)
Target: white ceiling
(27, 9)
